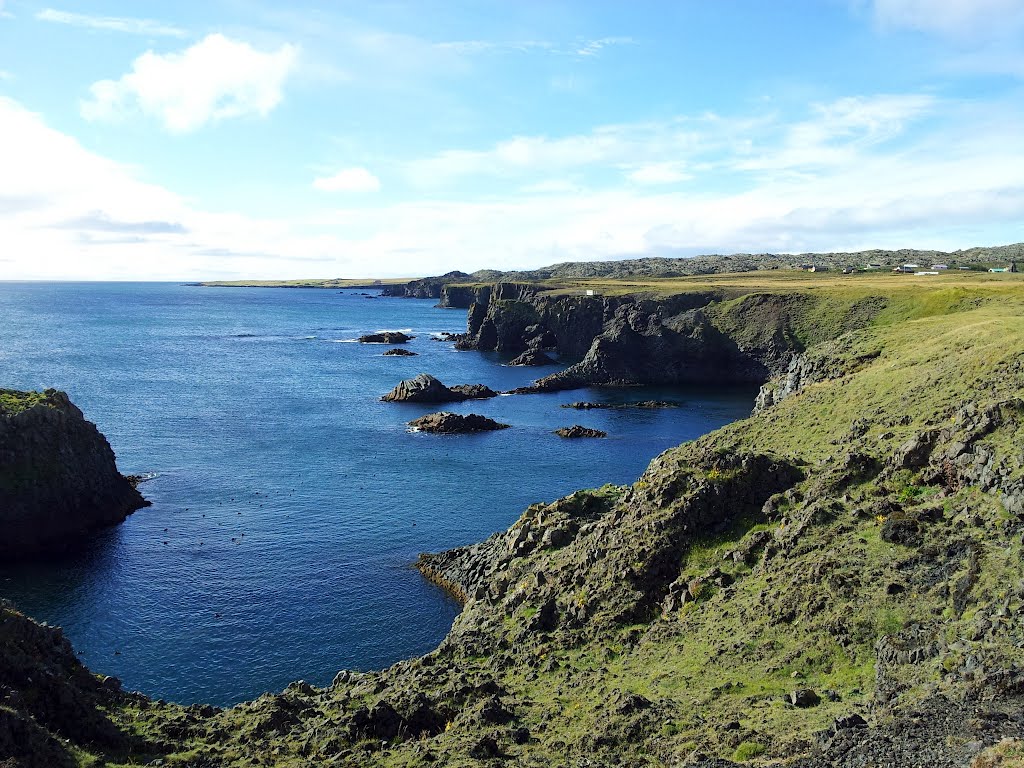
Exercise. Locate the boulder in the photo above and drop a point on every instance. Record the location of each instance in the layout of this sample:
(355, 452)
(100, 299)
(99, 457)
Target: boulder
(803, 698)
(386, 337)
(577, 430)
(396, 352)
(455, 423)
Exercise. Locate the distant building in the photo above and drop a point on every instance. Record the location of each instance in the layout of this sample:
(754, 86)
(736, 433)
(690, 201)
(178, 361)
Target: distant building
(818, 268)
(940, 266)
(872, 266)
(999, 269)
(909, 268)
(589, 292)
(926, 273)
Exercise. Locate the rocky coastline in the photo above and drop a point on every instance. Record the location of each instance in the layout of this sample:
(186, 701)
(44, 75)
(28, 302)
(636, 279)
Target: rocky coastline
(835, 581)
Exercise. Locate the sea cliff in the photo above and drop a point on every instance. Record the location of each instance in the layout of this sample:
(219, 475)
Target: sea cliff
(58, 477)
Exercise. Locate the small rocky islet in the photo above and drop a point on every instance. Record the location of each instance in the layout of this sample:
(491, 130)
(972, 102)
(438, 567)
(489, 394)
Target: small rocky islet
(386, 337)
(745, 602)
(577, 431)
(424, 388)
(447, 423)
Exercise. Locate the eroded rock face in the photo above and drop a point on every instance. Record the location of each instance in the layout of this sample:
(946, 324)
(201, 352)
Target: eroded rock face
(424, 388)
(58, 477)
(455, 423)
(386, 337)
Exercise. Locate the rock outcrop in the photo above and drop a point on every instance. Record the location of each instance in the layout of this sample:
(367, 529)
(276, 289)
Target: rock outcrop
(397, 352)
(532, 357)
(455, 423)
(577, 430)
(58, 477)
(425, 288)
(386, 337)
(424, 388)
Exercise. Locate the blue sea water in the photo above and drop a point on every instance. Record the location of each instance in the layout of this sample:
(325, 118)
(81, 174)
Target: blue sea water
(289, 503)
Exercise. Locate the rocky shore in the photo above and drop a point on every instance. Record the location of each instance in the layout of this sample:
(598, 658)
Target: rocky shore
(58, 477)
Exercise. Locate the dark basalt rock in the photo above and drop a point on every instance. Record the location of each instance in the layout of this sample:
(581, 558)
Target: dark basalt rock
(577, 430)
(647, 404)
(473, 391)
(58, 476)
(532, 357)
(400, 353)
(386, 337)
(424, 388)
(455, 423)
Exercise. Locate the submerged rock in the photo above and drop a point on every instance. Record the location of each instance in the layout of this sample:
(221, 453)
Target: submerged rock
(400, 353)
(577, 430)
(455, 423)
(424, 388)
(58, 476)
(386, 337)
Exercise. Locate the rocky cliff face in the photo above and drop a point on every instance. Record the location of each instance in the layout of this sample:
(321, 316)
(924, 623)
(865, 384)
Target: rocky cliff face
(58, 477)
(425, 288)
(697, 337)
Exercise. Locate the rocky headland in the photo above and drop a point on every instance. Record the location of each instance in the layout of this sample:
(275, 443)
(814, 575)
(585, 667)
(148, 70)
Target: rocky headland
(837, 580)
(424, 388)
(58, 477)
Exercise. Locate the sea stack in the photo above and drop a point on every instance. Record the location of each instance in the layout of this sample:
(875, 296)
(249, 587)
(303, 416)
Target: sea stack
(58, 476)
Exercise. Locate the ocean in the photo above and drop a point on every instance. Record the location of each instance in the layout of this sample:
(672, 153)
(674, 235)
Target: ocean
(288, 502)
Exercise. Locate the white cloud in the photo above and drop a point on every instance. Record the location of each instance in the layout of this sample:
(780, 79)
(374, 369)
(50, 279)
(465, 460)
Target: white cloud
(594, 47)
(953, 18)
(867, 183)
(5, 75)
(348, 180)
(658, 173)
(112, 23)
(214, 79)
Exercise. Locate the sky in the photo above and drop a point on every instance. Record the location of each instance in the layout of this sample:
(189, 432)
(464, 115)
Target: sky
(231, 139)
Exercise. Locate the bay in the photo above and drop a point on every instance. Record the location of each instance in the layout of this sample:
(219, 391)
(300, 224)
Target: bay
(289, 503)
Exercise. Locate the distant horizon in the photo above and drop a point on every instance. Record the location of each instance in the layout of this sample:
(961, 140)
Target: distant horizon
(221, 140)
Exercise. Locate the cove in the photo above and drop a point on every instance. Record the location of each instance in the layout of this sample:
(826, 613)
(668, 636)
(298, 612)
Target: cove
(288, 502)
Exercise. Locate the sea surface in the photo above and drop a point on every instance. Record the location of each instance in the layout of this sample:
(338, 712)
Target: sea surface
(289, 503)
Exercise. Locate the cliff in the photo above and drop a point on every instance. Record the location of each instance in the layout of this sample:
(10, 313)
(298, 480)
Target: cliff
(694, 336)
(58, 477)
(837, 580)
(426, 287)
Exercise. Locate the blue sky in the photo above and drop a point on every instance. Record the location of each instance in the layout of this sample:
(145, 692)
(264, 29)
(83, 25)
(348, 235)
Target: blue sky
(233, 138)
